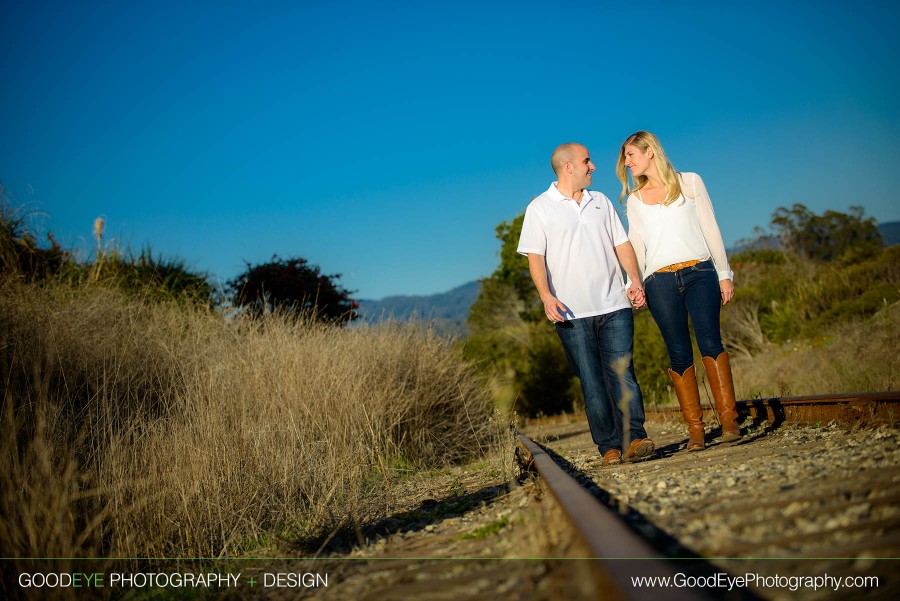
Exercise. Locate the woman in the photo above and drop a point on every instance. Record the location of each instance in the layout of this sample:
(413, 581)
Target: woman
(685, 271)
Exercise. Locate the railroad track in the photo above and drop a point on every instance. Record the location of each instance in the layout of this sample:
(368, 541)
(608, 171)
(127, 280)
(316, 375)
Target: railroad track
(798, 499)
(857, 409)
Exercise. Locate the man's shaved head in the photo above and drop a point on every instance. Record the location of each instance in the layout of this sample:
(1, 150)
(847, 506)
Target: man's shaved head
(564, 153)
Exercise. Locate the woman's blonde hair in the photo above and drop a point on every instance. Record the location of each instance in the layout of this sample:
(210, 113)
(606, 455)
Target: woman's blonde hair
(670, 180)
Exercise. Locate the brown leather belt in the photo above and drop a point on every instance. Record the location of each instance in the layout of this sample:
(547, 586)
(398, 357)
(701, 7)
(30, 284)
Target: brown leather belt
(677, 266)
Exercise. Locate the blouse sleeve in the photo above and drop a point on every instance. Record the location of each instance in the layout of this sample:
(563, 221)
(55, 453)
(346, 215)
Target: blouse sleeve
(636, 235)
(710, 230)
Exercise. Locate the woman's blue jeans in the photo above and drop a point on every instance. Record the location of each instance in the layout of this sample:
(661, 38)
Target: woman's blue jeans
(599, 349)
(672, 297)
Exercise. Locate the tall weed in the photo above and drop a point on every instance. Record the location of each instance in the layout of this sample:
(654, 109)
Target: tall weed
(172, 431)
(857, 355)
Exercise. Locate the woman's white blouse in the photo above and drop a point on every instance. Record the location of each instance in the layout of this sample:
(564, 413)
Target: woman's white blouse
(685, 230)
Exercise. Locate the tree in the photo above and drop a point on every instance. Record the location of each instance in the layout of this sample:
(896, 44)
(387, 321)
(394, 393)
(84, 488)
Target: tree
(827, 237)
(292, 285)
(814, 271)
(511, 338)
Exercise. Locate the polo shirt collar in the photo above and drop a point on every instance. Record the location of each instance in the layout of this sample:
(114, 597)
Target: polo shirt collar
(554, 193)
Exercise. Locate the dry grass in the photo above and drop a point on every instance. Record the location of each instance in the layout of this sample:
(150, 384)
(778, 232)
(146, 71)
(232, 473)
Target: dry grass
(858, 356)
(854, 356)
(138, 429)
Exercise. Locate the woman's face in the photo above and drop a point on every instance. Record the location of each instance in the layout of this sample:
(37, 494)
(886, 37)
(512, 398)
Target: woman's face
(637, 160)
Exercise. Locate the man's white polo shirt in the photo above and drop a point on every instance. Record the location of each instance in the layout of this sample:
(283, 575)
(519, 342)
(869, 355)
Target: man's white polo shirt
(578, 243)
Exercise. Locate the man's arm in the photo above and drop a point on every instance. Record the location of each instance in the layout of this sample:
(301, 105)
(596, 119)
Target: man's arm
(553, 309)
(625, 253)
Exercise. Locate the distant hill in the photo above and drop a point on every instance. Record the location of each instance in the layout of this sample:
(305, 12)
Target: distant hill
(447, 311)
(890, 232)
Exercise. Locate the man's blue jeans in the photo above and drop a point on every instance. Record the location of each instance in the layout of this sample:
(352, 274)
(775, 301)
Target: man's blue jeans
(672, 297)
(599, 349)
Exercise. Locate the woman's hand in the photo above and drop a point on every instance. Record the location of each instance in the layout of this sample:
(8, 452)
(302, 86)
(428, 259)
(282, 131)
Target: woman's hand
(727, 288)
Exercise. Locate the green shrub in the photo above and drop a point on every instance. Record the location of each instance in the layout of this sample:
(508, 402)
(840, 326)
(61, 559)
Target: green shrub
(148, 276)
(21, 256)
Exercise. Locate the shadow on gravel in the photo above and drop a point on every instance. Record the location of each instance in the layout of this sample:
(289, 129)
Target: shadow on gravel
(681, 558)
(668, 450)
(759, 427)
(658, 453)
(555, 437)
(430, 511)
(751, 432)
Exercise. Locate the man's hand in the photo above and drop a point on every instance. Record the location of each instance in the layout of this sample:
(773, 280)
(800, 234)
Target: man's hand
(636, 295)
(553, 309)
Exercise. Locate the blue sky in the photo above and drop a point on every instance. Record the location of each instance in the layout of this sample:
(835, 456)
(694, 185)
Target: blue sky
(385, 141)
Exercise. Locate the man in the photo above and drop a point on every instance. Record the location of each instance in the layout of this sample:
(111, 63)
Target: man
(575, 241)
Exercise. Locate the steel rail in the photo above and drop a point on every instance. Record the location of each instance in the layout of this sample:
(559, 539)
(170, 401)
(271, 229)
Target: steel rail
(605, 536)
(860, 408)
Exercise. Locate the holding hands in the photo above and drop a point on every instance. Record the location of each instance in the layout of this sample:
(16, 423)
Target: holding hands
(636, 295)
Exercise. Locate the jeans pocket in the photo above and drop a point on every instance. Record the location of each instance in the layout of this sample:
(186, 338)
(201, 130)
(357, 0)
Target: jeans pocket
(704, 266)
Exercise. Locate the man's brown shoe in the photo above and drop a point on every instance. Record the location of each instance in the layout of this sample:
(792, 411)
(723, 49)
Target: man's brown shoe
(611, 457)
(640, 448)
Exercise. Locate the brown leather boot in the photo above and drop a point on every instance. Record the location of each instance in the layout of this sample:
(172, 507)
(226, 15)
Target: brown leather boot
(689, 399)
(718, 371)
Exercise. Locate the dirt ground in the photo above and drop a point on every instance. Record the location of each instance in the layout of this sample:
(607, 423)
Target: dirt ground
(473, 532)
(462, 534)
